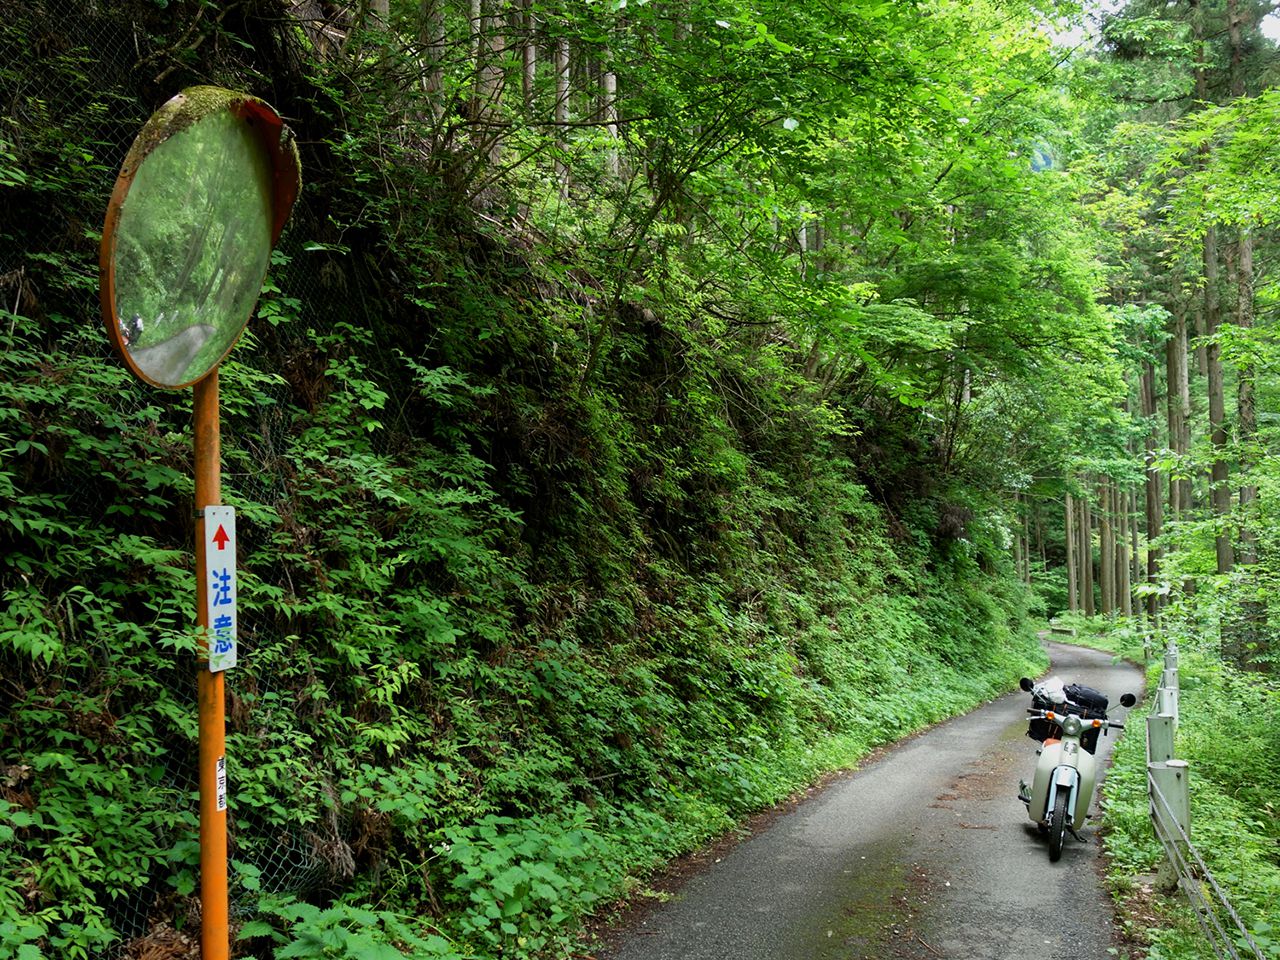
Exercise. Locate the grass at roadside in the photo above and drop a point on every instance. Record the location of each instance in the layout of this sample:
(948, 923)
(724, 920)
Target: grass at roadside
(1226, 735)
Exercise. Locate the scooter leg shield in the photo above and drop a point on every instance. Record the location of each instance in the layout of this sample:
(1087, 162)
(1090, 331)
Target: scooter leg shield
(1049, 761)
(1088, 768)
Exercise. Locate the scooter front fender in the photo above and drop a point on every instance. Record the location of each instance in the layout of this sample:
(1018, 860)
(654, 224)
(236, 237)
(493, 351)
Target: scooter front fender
(1066, 779)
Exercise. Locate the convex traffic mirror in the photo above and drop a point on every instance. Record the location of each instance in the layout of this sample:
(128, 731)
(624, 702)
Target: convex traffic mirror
(200, 200)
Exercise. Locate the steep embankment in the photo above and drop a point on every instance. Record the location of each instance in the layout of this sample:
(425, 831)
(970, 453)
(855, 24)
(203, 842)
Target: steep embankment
(509, 635)
(462, 684)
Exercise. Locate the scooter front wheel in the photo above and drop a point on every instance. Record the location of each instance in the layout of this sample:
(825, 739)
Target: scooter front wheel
(1058, 824)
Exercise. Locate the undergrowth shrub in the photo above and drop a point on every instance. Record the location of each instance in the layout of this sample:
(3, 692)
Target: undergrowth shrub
(1223, 733)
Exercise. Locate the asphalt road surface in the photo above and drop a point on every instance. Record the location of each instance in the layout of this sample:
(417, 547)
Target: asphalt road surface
(926, 853)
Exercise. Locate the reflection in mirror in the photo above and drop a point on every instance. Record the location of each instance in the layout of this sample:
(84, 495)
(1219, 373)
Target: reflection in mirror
(192, 245)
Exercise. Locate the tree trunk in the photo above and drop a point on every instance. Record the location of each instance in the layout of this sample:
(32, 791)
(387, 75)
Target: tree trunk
(1106, 548)
(1135, 536)
(493, 75)
(1219, 491)
(1124, 595)
(1139, 512)
(1246, 412)
(487, 44)
(1044, 563)
(1209, 354)
(475, 29)
(562, 110)
(1086, 557)
(1069, 514)
(1155, 501)
(1179, 408)
(1018, 542)
(1204, 318)
(431, 38)
(1248, 638)
(529, 58)
(609, 111)
(1135, 554)
(1026, 542)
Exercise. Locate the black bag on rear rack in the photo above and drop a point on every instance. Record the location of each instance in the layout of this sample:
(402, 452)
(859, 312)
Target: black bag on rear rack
(1090, 704)
(1093, 703)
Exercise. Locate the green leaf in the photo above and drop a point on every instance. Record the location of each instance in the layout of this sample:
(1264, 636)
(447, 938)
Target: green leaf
(256, 928)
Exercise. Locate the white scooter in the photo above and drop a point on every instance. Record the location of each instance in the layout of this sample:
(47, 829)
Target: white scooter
(1061, 792)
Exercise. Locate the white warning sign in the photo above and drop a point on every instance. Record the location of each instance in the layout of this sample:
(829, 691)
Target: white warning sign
(222, 783)
(220, 593)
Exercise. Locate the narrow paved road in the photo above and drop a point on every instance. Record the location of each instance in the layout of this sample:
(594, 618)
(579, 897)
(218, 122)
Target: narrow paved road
(926, 853)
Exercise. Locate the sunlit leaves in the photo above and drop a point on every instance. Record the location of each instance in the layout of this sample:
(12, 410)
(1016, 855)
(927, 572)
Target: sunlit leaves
(1219, 166)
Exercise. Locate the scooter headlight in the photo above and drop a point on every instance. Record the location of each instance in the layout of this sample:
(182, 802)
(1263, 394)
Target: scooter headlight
(1071, 725)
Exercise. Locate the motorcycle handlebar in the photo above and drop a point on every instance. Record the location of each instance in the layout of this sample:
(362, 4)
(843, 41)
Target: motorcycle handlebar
(1055, 717)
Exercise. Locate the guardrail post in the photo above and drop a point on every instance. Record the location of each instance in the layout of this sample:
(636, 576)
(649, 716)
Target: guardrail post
(1167, 702)
(1159, 737)
(1172, 778)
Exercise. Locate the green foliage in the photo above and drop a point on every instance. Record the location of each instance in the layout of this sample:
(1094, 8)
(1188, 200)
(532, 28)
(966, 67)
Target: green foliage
(1124, 637)
(581, 515)
(306, 932)
(517, 883)
(388, 685)
(1223, 734)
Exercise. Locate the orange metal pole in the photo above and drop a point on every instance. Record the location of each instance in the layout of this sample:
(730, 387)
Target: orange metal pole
(215, 936)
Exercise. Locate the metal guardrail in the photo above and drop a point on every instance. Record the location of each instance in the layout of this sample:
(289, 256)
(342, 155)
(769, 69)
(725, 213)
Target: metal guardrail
(1169, 791)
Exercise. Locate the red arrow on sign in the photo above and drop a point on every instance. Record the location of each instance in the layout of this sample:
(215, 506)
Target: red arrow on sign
(221, 538)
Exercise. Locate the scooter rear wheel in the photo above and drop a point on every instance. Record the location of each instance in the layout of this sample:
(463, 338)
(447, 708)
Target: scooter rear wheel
(1058, 824)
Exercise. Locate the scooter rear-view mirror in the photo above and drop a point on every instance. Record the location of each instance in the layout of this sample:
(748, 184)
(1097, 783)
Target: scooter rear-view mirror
(1128, 700)
(1026, 684)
